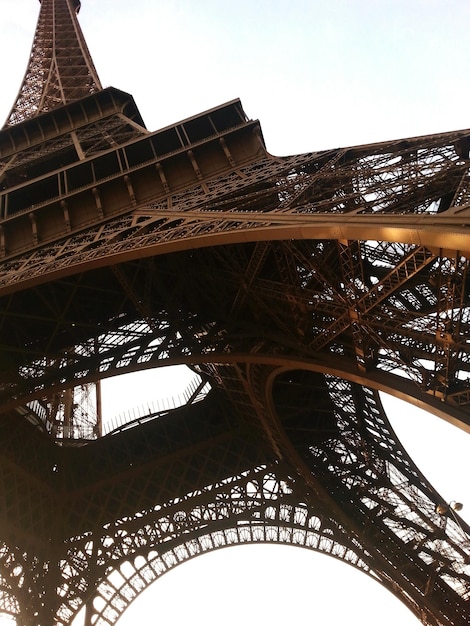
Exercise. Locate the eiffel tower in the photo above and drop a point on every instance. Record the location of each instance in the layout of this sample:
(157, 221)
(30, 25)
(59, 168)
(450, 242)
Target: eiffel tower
(295, 288)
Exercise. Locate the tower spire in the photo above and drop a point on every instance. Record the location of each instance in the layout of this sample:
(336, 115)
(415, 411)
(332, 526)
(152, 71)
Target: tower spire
(60, 69)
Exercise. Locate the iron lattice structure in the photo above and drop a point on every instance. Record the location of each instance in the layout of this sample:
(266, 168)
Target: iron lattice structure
(296, 288)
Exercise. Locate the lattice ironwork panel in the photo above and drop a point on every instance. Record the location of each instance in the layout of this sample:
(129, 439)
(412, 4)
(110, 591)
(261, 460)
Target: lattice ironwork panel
(60, 68)
(296, 288)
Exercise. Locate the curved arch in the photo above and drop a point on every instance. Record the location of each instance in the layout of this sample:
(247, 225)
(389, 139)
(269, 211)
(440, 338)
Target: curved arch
(127, 582)
(266, 584)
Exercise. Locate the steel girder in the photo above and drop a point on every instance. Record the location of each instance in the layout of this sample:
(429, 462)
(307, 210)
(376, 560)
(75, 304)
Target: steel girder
(295, 287)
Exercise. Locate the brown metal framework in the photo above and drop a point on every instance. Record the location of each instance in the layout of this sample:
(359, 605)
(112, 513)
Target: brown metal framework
(60, 69)
(296, 288)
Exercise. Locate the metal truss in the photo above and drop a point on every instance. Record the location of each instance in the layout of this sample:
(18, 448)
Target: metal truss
(295, 288)
(199, 478)
(60, 68)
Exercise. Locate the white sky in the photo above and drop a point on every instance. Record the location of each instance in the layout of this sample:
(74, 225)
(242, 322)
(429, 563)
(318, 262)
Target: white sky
(318, 74)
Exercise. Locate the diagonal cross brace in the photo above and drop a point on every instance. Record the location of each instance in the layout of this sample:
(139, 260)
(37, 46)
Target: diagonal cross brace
(411, 265)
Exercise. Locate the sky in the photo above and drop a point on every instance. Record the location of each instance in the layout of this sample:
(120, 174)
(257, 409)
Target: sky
(318, 75)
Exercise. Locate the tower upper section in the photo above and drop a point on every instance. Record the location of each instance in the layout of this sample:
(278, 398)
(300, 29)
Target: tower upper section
(60, 69)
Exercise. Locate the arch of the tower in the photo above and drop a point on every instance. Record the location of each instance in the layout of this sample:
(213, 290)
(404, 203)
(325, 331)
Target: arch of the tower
(261, 509)
(283, 525)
